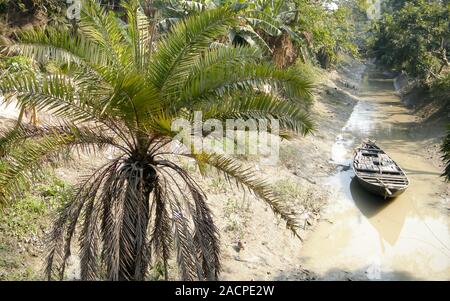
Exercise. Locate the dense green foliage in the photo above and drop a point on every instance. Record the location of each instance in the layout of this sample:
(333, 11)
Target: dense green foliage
(327, 33)
(17, 8)
(26, 5)
(440, 88)
(24, 218)
(413, 36)
(279, 28)
(309, 26)
(121, 87)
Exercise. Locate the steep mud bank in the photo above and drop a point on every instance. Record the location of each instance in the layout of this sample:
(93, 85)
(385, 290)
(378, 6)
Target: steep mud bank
(420, 99)
(432, 114)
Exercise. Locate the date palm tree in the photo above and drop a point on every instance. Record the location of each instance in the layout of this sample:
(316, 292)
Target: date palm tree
(121, 88)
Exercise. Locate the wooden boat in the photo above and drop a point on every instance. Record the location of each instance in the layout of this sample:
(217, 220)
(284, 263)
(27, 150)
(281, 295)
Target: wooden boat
(377, 172)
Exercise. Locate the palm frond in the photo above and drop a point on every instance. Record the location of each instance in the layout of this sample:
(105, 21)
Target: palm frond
(89, 240)
(188, 39)
(20, 166)
(258, 106)
(24, 132)
(161, 240)
(55, 93)
(247, 178)
(103, 28)
(58, 44)
(214, 59)
(197, 255)
(138, 33)
(248, 77)
(64, 228)
(115, 192)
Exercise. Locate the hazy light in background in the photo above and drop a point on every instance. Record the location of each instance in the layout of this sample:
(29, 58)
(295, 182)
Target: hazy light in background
(331, 5)
(374, 9)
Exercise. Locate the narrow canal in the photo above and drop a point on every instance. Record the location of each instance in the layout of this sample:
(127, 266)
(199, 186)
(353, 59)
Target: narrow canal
(363, 236)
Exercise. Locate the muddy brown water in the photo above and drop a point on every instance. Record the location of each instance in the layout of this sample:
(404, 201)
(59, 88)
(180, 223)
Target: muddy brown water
(363, 236)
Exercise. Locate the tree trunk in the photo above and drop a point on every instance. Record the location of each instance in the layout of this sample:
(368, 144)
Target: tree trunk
(284, 53)
(444, 60)
(134, 252)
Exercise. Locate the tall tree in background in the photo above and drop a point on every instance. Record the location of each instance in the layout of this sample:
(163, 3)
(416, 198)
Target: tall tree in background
(281, 29)
(414, 37)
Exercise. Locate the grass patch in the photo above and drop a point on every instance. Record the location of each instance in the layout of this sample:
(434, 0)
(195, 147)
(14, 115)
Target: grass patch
(27, 216)
(23, 226)
(236, 213)
(289, 191)
(310, 72)
(304, 201)
(289, 155)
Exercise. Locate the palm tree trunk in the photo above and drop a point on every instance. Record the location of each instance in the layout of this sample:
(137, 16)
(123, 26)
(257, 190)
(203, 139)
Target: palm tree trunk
(134, 251)
(132, 241)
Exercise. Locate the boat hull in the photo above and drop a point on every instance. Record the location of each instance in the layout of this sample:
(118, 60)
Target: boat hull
(377, 172)
(379, 190)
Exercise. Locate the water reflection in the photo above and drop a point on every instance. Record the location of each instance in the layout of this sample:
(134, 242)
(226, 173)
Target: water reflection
(369, 204)
(386, 216)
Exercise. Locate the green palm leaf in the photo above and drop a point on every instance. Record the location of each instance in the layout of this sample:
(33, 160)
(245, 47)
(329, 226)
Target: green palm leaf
(186, 41)
(26, 153)
(249, 179)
